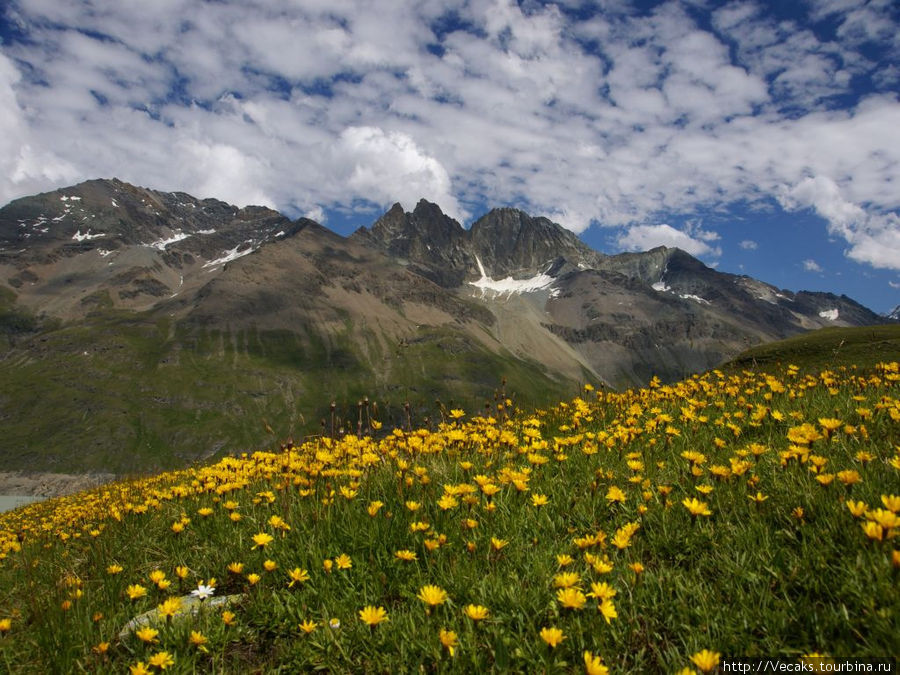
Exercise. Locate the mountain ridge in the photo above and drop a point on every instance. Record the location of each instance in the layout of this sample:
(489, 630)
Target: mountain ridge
(151, 309)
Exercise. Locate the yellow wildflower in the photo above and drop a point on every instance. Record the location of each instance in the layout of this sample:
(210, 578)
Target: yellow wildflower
(608, 609)
(891, 502)
(372, 616)
(298, 575)
(593, 665)
(602, 591)
(147, 634)
(161, 660)
(261, 540)
(564, 559)
(615, 494)
(539, 500)
(432, 595)
(135, 591)
(498, 544)
(571, 598)
(476, 612)
(696, 508)
(552, 635)
(566, 579)
(706, 660)
(169, 607)
(198, 639)
(449, 640)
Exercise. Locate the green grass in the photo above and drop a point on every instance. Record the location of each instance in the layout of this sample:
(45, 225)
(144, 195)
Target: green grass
(750, 579)
(131, 394)
(862, 346)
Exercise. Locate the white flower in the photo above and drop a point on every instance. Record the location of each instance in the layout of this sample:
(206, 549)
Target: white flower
(334, 623)
(203, 592)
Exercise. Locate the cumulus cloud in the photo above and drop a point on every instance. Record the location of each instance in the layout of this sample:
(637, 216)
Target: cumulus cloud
(24, 164)
(873, 238)
(811, 265)
(749, 245)
(589, 114)
(226, 173)
(645, 237)
(389, 166)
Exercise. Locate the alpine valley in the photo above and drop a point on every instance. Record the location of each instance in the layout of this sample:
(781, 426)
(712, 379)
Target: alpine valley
(142, 330)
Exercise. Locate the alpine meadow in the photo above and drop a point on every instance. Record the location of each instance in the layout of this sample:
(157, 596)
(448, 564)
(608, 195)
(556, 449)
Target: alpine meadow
(658, 529)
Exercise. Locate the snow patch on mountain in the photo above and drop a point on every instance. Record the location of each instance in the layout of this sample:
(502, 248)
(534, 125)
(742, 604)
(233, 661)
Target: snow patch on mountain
(830, 314)
(661, 287)
(160, 244)
(232, 254)
(87, 236)
(695, 298)
(508, 286)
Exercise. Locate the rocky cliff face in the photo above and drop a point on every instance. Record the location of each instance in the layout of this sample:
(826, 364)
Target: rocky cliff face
(625, 317)
(509, 242)
(620, 318)
(431, 242)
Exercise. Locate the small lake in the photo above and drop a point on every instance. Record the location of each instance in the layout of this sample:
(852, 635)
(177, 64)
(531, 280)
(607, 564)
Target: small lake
(9, 502)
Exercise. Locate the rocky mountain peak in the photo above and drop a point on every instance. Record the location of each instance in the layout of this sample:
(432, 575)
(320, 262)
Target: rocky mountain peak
(427, 239)
(108, 242)
(510, 242)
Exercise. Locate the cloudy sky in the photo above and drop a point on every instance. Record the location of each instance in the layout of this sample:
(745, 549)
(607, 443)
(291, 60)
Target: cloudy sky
(762, 137)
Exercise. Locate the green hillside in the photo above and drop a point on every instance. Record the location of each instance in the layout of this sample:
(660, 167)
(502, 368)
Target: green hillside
(862, 346)
(655, 530)
(130, 393)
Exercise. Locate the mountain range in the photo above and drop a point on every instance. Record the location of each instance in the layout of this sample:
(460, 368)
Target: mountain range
(142, 329)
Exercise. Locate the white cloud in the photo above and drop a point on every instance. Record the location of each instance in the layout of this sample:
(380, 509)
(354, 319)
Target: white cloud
(749, 245)
(225, 172)
(389, 166)
(24, 165)
(646, 237)
(874, 238)
(326, 103)
(316, 213)
(811, 265)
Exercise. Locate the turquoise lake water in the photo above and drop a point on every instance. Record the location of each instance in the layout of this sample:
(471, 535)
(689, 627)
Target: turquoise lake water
(9, 502)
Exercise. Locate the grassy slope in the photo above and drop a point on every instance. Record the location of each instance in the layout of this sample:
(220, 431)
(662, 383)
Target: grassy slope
(751, 578)
(127, 394)
(829, 347)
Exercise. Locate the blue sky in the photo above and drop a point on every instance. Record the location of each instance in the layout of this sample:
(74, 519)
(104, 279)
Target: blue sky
(764, 138)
